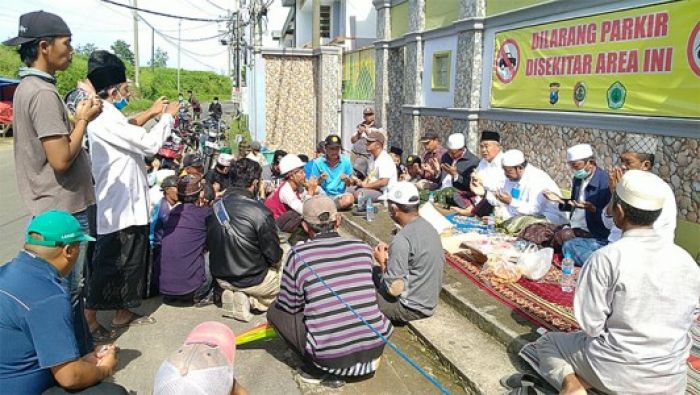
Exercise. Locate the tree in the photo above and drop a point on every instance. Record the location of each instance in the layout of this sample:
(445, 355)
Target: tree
(123, 51)
(86, 49)
(160, 58)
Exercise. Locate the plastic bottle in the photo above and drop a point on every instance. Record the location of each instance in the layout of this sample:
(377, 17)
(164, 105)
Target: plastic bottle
(360, 199)
(567, 274)
(370, 210)
(431, 198)
(491, 224)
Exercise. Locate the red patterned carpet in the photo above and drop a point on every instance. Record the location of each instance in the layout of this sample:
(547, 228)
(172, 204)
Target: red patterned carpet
(541, 302)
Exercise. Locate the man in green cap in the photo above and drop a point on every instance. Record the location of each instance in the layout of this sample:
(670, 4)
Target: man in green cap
(36, 319)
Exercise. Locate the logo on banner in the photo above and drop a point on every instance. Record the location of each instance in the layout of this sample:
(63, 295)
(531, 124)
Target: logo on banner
(507, 61)
(616, 95)
(580, 92)
(694, 49)
(554, 93)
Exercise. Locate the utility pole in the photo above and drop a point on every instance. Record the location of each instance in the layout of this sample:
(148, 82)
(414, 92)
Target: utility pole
(153, 49)
(136, 46)
(179, 32)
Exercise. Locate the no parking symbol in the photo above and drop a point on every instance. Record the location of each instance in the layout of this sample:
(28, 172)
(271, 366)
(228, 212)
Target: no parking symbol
(507, 61)
(693, 51)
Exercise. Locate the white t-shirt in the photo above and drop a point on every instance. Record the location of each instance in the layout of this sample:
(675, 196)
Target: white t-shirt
(289, 197)
(382, 167)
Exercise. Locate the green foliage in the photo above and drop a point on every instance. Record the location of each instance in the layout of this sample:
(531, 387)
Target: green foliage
(155, 82)
(86, 49)
(160, 58)
(123, 51)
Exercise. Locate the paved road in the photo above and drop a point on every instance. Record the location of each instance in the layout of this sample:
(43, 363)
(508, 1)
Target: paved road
(263, 368)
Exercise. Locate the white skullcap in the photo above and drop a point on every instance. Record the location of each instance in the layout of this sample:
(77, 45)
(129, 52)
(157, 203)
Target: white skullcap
(578, 152)
(456, 141)
(513, 157)
(642, 190)
(224, 159)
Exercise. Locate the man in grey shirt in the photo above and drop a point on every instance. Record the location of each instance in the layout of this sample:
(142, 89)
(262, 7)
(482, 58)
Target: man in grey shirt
(409, 275)
(53, 171)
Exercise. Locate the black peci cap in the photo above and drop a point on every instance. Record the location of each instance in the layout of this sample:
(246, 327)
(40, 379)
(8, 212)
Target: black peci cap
(38, 24)
(105, 69)
(488, 135)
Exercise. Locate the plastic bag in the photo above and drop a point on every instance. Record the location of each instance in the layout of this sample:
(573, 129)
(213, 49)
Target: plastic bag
(535, 264)
(499, 269)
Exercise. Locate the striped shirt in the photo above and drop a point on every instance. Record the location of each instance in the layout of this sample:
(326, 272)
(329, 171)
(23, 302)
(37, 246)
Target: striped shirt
(335, 338)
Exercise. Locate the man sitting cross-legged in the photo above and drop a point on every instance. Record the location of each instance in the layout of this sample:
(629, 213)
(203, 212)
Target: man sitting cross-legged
(636, 301)
(309, 314)
(409, 275)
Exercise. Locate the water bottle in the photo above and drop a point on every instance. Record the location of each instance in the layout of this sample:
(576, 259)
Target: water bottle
(491, 224)
(515, 191)
(567, 274)
(386, 199)
(360, 199)
(431, 198)
(370, 210)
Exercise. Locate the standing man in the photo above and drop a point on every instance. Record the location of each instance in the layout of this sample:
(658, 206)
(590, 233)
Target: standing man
(433, 153)
(409, 275)
(636, 301)
(215, 110)
(359, 139)
(117, 274)
(53, 170)
(244, 249)
(196, 107)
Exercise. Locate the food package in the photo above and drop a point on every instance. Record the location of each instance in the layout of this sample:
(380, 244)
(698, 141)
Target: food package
(500, 270)
(535, 264)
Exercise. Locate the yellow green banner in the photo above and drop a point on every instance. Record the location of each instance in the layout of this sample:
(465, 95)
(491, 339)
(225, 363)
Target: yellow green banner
(643, 61)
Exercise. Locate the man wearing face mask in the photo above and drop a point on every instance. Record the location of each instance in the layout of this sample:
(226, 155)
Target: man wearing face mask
(117, 275)
(244, 248)
(589, 196)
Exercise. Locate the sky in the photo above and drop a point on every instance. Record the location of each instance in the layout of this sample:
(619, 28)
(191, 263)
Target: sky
(93, 21)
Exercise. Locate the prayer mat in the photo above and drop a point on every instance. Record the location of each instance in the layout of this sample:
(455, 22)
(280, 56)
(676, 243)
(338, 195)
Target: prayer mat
(543, 303)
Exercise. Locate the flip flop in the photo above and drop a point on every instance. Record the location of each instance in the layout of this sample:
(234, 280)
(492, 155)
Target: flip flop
(518, 380)
(102, 335)
(135, 320)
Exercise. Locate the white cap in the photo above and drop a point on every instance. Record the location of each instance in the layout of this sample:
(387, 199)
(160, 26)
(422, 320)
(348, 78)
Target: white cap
(578, 152)
(403, 192)
(642, 190)
(224, 159)
(513, 157)
(456, 141)
(289, 163)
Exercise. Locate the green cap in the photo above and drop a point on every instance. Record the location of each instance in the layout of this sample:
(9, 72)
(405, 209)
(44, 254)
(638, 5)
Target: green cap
(225, 150)
(58, 228)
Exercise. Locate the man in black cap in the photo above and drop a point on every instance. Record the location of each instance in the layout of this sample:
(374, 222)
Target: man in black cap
(334, 173)
(433, 153)
(414, 172)
(53, 171)
(488, 177)
(215, 110)
(117, 274)
(359, 139)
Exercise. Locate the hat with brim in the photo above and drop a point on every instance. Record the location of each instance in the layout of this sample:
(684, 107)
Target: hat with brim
(428, 135)
(403, 192)
(38, 24)
(376, 136)
(319, 209)
(55, 228)
(189, 185)
(332, 141)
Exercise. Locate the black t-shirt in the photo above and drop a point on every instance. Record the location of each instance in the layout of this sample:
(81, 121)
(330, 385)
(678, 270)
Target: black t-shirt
(214, 176)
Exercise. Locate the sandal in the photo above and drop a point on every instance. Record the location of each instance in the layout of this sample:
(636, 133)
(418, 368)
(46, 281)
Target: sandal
(518, 380)
(135, 320)
(102, 335)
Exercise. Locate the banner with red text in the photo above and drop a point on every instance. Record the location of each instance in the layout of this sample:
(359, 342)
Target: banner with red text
(643, 61)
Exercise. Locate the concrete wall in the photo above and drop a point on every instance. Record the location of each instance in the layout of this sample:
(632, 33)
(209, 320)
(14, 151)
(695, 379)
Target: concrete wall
(290, 103)
(434, 98)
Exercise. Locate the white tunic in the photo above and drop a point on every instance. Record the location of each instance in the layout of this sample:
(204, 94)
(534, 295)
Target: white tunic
(117, 150)
(492, 176)
(382, 167)
(637, 300)
(532, 202)
(665, 225)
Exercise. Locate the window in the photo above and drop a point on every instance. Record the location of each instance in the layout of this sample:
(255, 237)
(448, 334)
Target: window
(441, 71)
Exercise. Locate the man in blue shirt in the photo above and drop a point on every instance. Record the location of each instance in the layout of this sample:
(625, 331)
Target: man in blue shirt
(333, 173)
(39, 348)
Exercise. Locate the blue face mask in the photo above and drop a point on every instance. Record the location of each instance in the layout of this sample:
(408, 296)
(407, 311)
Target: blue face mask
(121, 103)
(581, 174)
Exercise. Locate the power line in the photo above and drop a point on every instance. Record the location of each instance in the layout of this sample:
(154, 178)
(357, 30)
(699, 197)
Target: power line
(218, 35)
(187, 18)
(168, 38)
(194, 5)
